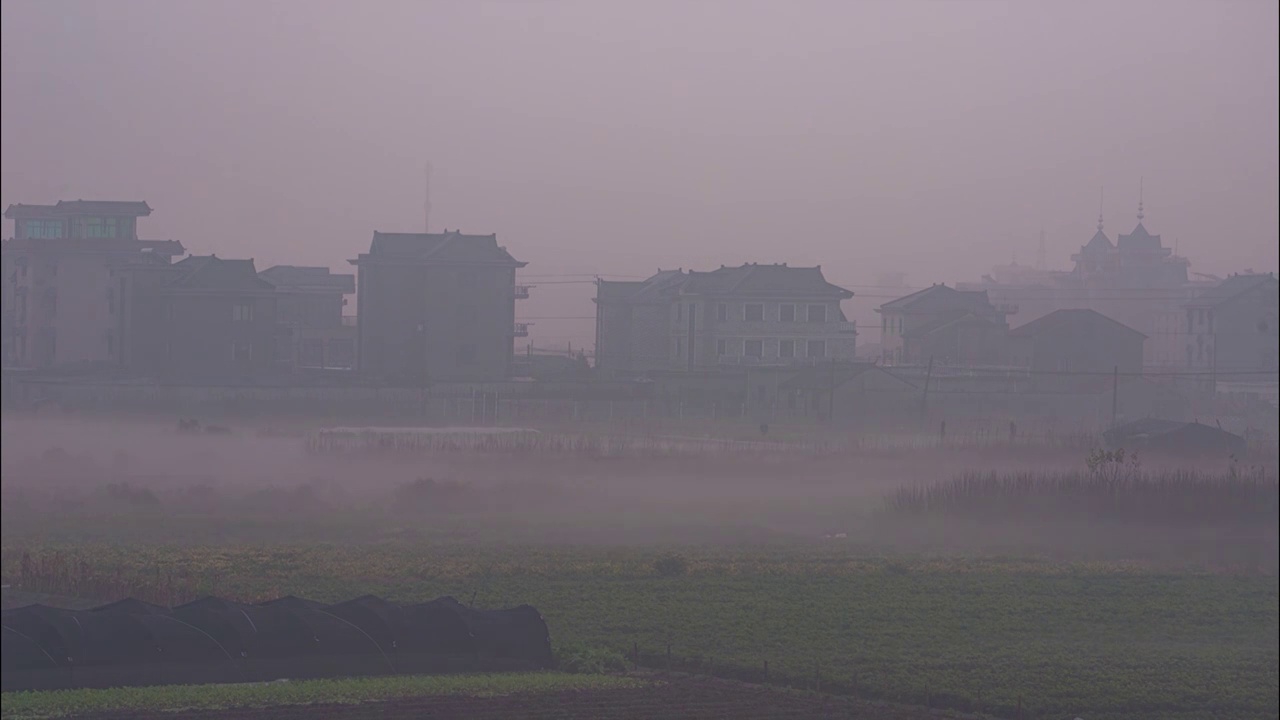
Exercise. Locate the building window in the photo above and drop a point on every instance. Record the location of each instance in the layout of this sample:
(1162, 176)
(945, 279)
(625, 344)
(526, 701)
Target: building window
(884, 325)
(817, 348)
(753, 348)
(753, 312)
(786, 348)
(786, 313)
(168, 312)
(722, 348)
(242, 351)
(722, 312)
(98, 228)
(817, 313)
(679, 312)
(111, 302)
(679, 347)
(44, 229)
(242, 312)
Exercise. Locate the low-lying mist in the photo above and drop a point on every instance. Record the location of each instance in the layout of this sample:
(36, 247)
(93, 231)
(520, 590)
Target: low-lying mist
(74, 480)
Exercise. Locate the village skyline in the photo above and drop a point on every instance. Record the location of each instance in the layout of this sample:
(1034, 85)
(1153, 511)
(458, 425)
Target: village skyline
(691, 144)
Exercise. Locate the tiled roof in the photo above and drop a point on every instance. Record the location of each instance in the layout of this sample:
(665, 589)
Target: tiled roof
(308, 278)
(942, 297)
(1059, 318)
(1099, 241)
(1139, 240)
(617, 290)
(441, 247)
(753, 280)
(209, 272)
(762, 281)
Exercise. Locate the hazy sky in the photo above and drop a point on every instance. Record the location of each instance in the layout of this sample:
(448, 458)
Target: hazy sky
(867, 136)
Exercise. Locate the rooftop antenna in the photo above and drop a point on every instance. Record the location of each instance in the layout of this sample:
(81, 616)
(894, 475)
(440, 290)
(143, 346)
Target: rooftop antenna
(426, 201)
(1140, 215)
(1040, 254)
(1100, 197)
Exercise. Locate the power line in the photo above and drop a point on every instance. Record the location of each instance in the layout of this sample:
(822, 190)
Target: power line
(1058, 296)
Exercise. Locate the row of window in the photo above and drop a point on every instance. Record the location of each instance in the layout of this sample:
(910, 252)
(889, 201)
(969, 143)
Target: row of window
(754, 312)
(54, 228)
(755, 347)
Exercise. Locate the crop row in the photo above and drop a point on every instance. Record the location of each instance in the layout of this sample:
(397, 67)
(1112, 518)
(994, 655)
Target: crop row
(1063, 638)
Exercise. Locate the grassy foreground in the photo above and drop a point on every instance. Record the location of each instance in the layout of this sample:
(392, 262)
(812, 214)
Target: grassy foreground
(1101, 640)
(62, 703)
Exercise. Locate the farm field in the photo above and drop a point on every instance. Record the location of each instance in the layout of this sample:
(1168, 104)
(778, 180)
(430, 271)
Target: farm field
(1094, 639)
(546, 696)
(1072, 584)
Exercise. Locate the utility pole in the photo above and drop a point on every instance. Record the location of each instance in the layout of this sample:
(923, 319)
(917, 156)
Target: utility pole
(924, 399)
(831, 395)
(426, 202)
(1115, 394)
(1213, 363)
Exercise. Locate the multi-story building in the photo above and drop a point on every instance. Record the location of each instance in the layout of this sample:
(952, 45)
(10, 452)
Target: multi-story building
(1231, 329)
(310, 303)
(204, 318)
(749, 315)
(64, 305)
(954, 327)
(436, 306)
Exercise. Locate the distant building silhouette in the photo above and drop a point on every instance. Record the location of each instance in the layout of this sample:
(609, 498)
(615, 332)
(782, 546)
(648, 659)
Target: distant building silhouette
(312, 333)
(65, 288)
(436, 307)
(960, 327)
(749, 315)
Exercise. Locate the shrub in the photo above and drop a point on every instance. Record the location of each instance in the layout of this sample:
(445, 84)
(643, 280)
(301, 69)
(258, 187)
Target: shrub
(1119, 492)
(671, 564)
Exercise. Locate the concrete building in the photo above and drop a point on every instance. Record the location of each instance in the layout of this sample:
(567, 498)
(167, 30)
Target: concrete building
(953, 327)
(749, 315)
(436, 307)
(203, 318)
(309, 311)
(63, 296)
(1077, 342)
(1232, 329)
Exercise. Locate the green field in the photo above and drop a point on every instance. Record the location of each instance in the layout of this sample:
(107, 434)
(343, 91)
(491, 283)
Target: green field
(307, 692)
(1097, 640)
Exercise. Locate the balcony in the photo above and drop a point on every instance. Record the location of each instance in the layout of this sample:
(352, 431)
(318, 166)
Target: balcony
(521, 292)
(521, 329)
